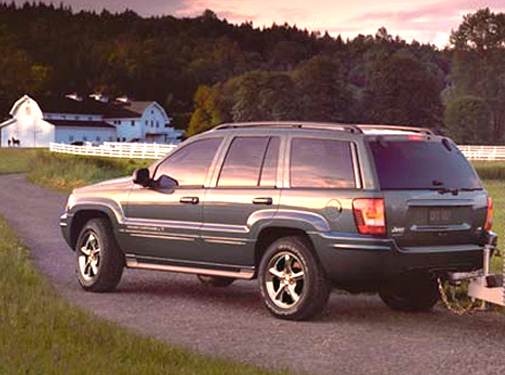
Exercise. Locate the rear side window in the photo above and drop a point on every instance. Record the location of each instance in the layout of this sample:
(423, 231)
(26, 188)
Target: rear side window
(321, 163)
(421, 165)
(250, 162)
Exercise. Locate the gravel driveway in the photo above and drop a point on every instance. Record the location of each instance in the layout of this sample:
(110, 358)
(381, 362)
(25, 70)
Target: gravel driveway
(357, 334)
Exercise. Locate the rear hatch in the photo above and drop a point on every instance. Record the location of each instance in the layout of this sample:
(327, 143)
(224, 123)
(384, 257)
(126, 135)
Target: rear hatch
(432, 194)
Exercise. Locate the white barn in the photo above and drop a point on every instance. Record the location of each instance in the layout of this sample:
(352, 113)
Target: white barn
(72, 119)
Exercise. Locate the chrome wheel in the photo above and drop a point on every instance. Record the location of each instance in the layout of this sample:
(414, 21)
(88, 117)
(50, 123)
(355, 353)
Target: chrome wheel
(285, 279)
(89, 256)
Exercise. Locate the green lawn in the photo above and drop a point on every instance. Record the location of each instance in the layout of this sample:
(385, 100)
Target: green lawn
(13, 160)
(40, 333)
(66, 172)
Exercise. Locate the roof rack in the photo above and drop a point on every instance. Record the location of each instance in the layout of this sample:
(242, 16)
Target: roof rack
(352, 128)
(400, 128)
(292, 124)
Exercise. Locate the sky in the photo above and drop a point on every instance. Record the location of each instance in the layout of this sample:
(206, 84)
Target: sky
(424, 20)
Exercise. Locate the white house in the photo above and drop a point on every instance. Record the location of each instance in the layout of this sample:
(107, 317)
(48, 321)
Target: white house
(73, 119)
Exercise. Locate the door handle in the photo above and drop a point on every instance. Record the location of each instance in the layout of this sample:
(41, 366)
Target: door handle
(267, 201)
(189, 200)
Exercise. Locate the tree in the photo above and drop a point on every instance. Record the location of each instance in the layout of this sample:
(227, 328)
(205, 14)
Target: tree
(468, 120)
(263, 96)
(402, 90)
(206, 113)
(479, 63)
(323, 92)
(481, 31)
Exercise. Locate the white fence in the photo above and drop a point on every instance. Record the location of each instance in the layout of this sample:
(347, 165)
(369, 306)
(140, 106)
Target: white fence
(116, 150)
(157, 151)
(483, 152)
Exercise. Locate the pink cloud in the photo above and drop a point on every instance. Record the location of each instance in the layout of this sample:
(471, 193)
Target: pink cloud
(426, 21)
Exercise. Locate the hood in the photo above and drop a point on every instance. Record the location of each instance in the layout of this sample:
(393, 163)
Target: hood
(116, 183)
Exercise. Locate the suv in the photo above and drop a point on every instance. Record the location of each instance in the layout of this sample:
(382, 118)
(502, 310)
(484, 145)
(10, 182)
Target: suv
(303, 207)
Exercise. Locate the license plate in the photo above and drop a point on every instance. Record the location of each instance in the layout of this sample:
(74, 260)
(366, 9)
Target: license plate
(439, 216)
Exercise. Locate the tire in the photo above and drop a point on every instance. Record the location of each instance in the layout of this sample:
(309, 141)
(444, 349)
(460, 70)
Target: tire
(292, 282)
(215, 281)
(99, 260)
(411, 292)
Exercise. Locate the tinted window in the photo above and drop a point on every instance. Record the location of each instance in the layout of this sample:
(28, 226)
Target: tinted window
(190, 164)
(243, 162)
(421, 165)
(321, 163)
(269, 171)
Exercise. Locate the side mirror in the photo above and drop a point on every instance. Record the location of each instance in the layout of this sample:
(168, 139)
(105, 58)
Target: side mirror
(166, 182)
(141, 177)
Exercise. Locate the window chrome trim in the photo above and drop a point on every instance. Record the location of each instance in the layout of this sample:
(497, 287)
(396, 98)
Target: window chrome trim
(358, 178)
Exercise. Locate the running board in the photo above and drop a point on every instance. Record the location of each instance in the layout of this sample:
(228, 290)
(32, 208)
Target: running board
(243, 273)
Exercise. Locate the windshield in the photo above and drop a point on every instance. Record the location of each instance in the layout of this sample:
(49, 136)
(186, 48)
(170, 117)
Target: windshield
(405, 164)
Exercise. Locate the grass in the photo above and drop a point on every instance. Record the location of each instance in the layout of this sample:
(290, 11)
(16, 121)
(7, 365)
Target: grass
(490, 170)
(41, 333)
(15, 160)
(66, 172)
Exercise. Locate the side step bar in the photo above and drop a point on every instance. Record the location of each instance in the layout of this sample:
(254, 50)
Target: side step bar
(242, 273)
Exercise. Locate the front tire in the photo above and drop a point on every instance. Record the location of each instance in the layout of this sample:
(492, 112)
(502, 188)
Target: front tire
(411, 292)
(99, 260)
(292, 282)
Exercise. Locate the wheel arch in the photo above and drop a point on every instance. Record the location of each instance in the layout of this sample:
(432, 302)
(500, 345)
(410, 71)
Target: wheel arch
(82, 216)
(270, 234)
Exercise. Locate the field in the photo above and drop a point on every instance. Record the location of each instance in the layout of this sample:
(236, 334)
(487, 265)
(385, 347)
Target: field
(41, 333)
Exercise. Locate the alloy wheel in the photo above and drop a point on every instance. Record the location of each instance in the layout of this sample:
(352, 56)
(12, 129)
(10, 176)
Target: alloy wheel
(89, 257)
(285, 279)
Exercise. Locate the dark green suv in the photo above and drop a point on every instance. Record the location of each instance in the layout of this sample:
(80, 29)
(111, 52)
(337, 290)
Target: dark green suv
(302, 207)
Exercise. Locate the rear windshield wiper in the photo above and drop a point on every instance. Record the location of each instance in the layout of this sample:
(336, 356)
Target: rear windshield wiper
(439, 186)
(444, 190)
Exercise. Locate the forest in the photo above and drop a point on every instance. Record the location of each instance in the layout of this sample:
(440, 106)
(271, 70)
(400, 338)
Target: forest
(205, 70)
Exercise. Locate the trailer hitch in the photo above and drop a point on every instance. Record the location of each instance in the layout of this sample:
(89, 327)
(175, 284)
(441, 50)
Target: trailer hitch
(482, 284)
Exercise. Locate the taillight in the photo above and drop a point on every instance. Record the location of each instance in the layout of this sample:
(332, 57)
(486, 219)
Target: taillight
(489, 215)
(369, 215)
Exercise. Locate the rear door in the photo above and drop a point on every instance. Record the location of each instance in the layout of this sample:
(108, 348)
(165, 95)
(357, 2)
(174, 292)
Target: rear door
(433, 195)
(246, 184)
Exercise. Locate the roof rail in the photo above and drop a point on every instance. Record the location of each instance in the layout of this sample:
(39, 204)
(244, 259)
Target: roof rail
(291, 124)
(404, 128)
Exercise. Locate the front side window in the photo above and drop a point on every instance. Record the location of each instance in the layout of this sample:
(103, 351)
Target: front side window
(190, 164)
(321, 163)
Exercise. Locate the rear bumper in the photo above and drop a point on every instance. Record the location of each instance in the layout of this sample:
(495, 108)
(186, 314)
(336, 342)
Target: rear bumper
(354, 259)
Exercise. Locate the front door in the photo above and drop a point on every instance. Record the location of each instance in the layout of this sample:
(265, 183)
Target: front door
(164, 221)
(245, 189)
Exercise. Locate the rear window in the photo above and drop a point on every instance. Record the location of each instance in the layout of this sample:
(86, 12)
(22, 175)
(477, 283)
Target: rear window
(422, 165)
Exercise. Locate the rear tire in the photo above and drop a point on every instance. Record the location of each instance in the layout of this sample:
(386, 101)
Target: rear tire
(99, 260)
(215, 281)
(411, 292)
(292, 282)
